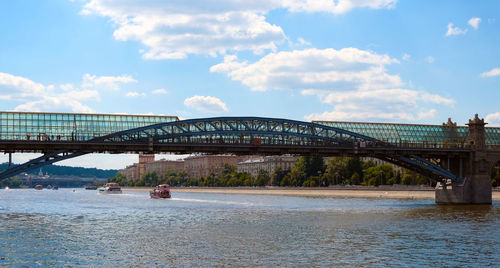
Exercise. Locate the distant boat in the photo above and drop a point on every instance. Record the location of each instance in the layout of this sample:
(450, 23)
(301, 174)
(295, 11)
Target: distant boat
(38, 187)
(161, 191)
(110, 188)
(49, 187)
(90, 187)
(55, 187)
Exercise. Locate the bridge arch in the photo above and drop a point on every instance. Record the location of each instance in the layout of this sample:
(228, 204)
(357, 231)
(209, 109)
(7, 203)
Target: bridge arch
(243, 135)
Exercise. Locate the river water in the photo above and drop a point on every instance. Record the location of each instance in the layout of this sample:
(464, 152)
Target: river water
(84, 228)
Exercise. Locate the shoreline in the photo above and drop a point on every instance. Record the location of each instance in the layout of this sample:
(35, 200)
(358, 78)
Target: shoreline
(390, 193)
(427, 194)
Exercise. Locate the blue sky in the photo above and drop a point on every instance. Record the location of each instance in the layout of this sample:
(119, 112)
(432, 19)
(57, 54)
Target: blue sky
(347, 60)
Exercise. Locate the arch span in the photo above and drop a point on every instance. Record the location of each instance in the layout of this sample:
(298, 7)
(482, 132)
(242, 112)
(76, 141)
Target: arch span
(242, 135)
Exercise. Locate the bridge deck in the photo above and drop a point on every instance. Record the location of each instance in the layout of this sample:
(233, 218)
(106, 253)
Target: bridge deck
(440, 136)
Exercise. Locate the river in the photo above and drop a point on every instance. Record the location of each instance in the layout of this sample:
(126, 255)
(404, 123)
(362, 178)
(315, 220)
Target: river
(83, 228)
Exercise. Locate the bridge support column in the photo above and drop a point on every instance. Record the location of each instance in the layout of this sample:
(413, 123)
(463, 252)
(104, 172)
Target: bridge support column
(474, 190)
(453, 193)
(476, 187)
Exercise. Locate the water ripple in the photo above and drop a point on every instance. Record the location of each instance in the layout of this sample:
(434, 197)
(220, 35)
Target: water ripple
(82, 228)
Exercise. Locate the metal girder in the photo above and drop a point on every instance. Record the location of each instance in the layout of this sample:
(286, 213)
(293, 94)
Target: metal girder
(217, 124)
(245, 130)
(426, 164)
(41, 161)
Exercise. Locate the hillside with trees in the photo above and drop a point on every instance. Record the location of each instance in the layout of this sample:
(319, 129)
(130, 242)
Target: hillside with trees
(55, 170)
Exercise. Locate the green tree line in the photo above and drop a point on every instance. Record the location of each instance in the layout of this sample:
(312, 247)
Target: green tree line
(70, 171)
(309, 171)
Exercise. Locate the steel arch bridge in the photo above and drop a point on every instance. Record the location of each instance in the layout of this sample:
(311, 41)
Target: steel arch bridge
(238, 135)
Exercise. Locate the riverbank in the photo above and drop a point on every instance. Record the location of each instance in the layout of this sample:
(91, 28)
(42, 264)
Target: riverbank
(330, 192)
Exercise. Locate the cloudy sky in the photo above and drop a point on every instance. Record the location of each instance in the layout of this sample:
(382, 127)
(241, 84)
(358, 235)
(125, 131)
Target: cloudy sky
(348, 60)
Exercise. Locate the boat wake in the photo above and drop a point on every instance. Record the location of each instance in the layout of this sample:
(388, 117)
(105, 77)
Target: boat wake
(214, 201)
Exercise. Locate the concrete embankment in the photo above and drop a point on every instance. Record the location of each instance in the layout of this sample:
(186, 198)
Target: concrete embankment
(332, 192)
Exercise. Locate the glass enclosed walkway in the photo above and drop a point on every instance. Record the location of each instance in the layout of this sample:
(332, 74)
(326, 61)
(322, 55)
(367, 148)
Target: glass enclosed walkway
(70, 127)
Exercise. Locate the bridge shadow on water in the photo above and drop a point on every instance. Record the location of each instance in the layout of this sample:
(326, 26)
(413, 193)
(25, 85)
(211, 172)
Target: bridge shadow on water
(450, 213)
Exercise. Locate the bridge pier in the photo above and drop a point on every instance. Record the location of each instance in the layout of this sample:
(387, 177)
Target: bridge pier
(476, 187)
(476, 190)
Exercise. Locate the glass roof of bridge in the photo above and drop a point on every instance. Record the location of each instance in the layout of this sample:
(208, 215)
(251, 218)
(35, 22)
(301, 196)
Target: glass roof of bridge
(438, 135)
(70, 127)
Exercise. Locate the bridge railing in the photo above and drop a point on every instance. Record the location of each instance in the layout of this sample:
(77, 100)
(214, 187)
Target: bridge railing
(247, 139)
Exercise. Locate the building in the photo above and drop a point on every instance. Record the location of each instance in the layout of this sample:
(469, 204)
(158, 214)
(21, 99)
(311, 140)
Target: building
(203, 165)
(195, 166)
(130, 172)
(143, 160)
(137, 170)
(162, 166)
(268, 163)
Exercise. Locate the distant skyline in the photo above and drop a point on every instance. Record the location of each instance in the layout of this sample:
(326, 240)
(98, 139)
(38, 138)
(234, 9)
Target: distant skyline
(342, 60)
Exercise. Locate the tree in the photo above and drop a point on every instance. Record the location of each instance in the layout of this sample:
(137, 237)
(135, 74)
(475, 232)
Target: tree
(150, 179)
(121, 180)
(354, 165)
(262, 178)
(285, 181)
(12, 183)
(407, 179)
(312, 182)
(210, 180)
(245, 179)
(277, 176)
(378, 175)
(315, 166)
(355, 178)
(297, 176)
(336, 170)
(422, 180)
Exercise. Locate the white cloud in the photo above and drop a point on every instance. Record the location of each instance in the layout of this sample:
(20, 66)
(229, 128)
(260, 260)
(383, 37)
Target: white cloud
(106, 82)
(174, 29)
(492, 72)
(159, 91)
(406, 57)
(354, 82)
(493, 119)
(38, 97)
(52, 103)
(454, 30)
(206, 104)
(303, 42)
(432, 113)
(15, 87)
(430, 59)
(336, 7)
(134, 94)
(474, 22)
(347, 68)
(67, 87)
(383, 104)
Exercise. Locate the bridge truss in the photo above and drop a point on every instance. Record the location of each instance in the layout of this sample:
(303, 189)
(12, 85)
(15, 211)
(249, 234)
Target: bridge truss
(236, 135)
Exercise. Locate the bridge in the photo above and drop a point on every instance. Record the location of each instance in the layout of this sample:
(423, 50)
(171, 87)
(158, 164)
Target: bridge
(458, 157)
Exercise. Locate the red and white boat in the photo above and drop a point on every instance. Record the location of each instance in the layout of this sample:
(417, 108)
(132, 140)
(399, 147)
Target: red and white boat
(161, 191)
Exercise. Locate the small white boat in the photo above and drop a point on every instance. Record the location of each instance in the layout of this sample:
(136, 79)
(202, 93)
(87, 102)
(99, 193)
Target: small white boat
(110, 188)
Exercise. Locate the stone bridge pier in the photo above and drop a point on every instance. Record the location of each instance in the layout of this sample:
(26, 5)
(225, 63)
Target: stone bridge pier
(475, 169)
